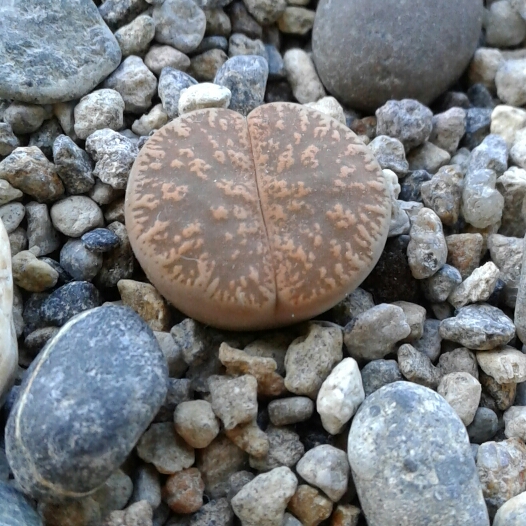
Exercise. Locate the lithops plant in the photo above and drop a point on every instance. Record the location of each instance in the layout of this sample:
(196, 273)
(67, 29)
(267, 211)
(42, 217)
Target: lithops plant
(259, 221)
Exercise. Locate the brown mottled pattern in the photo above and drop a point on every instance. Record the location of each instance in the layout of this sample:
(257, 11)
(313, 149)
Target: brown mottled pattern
(253, 232)
(325, 205)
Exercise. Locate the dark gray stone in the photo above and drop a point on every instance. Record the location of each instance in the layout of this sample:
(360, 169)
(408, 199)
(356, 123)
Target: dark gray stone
(213, 42)
(178, 390)
(171, 83)
(31, 314)
(276, 67)
(45, 136)
(484, 426)
(63, 276)
(74, 166)
(214, 512)
(100, 240)
(79, 262)
(410, 185)
(119, 12)
(246, 77)
(15, 509)
(478, 121)
(69, 300)
(439, 286)
(479, 327)
(378, 373)
(53, 51)
(365, 58)
(520, 397)
(411, 460)
(242, 21)
(37, 339)
(84, 403)
(429, 343)
(480, 97)
(8, 140)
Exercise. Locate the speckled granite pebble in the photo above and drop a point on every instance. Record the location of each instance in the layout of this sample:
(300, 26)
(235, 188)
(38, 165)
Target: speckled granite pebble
(411, 460)
(106, 368)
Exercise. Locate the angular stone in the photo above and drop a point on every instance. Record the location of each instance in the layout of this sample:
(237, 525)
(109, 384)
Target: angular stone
(309, 505)
(477, 287)
(478, 327)
(417, 367)
(310, 359)
(435, 450)
(262, 501)
(501, 396)
(462, 392)
(501, 468)
(110, 403)
(504, 364)
(387, 323)
(196, 423)
(44, 62)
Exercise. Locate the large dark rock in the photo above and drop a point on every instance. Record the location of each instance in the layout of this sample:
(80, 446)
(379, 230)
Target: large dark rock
(15, 509)
(53, 51)
(369, 52)
(84, 402)
(411, 460)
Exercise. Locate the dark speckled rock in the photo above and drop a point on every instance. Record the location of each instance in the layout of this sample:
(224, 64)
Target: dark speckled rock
(53, 51)
(100, 240)
(84, 402)
(69, 300)
(15, 510)
(411, 461)
(369, 52)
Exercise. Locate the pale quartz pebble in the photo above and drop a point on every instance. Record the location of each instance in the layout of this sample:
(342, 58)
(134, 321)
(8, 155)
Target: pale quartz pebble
(477, 287)
(427, 157)
(506, 121)
(427, 249)
(505, 364)
(512, 512)
(296, 20)
(520, 307)
(301, 74)
(390, 154)
(511, 82)
(481, 204)
(512, 185)
(340, 396)
(504, 25)
(483, 67)
(203, 95)
(262, 502)
(518, 150)
(148, 122)
(462, 392)
(8, 192)
(8, 341)
(330, 106)
(515, 422)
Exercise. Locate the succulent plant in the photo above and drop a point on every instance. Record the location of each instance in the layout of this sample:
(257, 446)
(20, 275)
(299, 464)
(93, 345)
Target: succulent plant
(256, 222)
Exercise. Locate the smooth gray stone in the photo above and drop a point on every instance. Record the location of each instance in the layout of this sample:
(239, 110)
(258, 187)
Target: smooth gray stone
(84, 403)
(53, 51)
(15, 509)
(369, 52)
(411, 461)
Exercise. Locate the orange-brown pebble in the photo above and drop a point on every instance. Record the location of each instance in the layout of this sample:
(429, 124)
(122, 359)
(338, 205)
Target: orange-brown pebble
(256, 222)
(345, 515)
(183, 492)
(309, 505)
(249, 438)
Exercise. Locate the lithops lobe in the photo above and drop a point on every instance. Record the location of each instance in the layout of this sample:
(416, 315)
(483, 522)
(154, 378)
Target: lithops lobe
(256, 222)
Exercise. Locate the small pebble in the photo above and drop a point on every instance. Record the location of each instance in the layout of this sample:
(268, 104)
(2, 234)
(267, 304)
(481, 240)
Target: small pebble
(326, 468)
(427, 249)
(512, 512)
(515, 422)
(478, 327)
(417, 367)
(484, 426)
(31, 274)
(161, 446)
(100, 109)
(340, 396)
(386, 322)
(183, 491)
(136, 84)
(69, 300)
(160, 57)
(291, 410)
(477, 287)
(24, 118)
(204, 95)
(196, 423)
(310, 505)
(171, 83)
(462, 393)
(505, 364)
(302, 76)
(135, 37)
(76, 215)
(100, 240)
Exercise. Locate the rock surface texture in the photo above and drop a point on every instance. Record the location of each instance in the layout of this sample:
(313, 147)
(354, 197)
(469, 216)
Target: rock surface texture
(407, 441)
(78, 415)
(42, 61)
(369, 52)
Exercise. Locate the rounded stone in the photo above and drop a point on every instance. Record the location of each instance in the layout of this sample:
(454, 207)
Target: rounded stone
(60, 52)
(15, 509)
(84, 402)
(411, 460)
(365, 58)
(265, 219)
